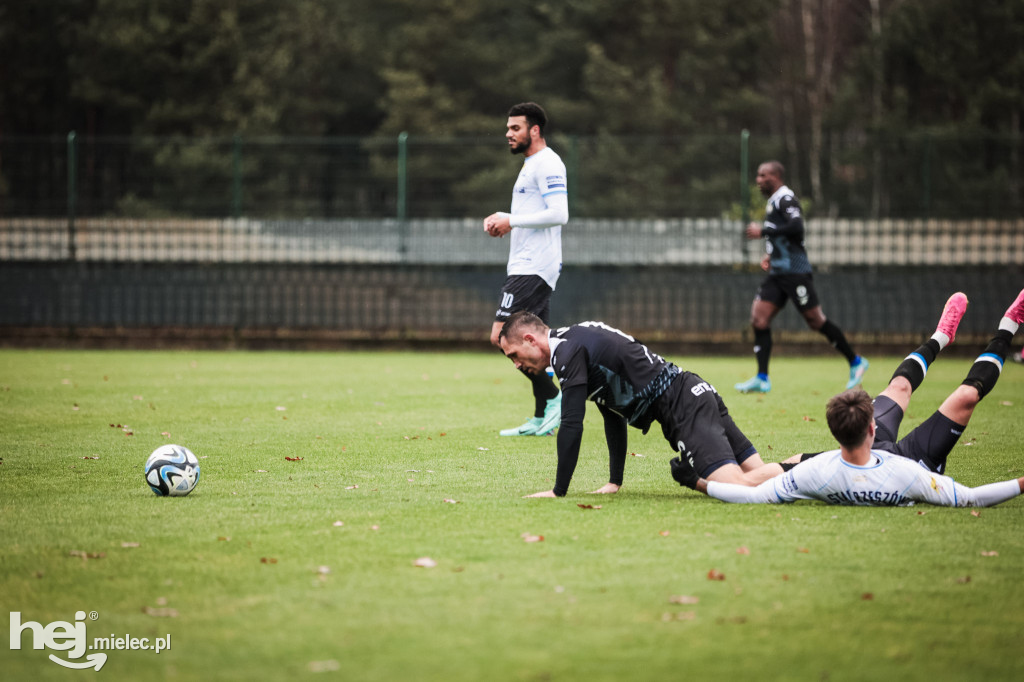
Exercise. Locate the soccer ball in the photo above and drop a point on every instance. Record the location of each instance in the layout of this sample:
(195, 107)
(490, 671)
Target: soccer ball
(172, 470)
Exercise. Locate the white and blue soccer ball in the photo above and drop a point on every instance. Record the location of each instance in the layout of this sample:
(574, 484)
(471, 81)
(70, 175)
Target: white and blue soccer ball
(172, 470)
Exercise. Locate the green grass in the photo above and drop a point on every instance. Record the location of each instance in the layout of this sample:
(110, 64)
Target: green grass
(824, 592)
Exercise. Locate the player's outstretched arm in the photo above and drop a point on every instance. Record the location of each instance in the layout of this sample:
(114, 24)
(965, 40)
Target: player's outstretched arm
(570, 435)
(615, 433)
(943, 491)
(765, 493)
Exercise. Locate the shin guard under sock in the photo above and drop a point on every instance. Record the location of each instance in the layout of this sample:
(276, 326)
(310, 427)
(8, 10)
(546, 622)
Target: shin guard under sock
(762, 349)
(985, 371)
(838, 340)
(915, 366)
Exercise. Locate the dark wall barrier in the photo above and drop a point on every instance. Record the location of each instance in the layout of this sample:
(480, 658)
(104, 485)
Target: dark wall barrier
(253, 304)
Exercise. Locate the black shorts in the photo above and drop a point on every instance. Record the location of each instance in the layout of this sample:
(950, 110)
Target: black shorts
(524, 292)
(929, 443)
(697, 424)
(778, 289)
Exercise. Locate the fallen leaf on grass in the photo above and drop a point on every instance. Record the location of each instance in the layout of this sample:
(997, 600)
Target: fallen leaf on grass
(165, 434)
(1006, 403)
(921, 512)
(328, 666)
(992, 553)
(742, 550)
(268, 560)
(261, 471)
(635, 454)
(87, 555)
(351, 487)
(449, 501)
(963, 580)
(527, 537)
(424, 562)
(294, 459)
(91, 457)
(74, 407)
(129, 544)
(975, 512)
(160, 613)
(338, 524)
(867, 596)
(323, 570)
(683, 599)
(809, 419)
(483, 449)
(588, 506)
(715, 575)
(803, 550)
(223, 538)
(280, 408)
(663, 533)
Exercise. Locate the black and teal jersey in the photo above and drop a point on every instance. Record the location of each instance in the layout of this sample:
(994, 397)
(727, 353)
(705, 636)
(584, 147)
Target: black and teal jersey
(784, 234)
(620, 373)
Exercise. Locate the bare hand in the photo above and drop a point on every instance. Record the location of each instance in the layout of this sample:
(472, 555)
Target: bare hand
(606, 489)
(497, 225)
(754, 231)
(543, 493)
(766, 262)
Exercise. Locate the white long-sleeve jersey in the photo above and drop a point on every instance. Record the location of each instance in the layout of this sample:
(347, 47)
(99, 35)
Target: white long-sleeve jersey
(540, 207)
(889, 480)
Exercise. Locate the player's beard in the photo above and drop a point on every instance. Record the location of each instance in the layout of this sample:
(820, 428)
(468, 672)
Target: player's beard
(519, 147)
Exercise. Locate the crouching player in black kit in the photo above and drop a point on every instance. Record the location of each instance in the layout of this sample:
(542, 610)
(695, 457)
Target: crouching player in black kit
(631, 386)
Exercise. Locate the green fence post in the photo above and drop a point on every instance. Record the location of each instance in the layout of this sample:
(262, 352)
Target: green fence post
(744, 190)
(400, 208)
(236, 176)
(403, 161)
(573, 181)
(72, 192)
(926, 176)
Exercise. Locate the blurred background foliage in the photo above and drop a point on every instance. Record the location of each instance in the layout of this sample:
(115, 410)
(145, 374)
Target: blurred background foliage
(857, 97)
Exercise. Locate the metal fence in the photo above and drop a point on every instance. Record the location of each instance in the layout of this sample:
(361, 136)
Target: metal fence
(410, 176)
(274, 241)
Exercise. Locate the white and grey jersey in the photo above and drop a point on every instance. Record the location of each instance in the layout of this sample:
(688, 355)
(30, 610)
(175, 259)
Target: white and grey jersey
(540, 207)
(887, 481)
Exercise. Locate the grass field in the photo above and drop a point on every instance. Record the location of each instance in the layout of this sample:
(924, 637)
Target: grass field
(277, 569)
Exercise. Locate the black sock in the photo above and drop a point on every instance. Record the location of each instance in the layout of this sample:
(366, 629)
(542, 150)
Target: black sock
(915, 366)
(835, 336)
(544, 389)
(762, 349)
(985, 371)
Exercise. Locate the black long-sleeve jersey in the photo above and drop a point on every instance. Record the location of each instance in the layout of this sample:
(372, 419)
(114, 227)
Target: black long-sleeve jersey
(594, 361)
(784, 234)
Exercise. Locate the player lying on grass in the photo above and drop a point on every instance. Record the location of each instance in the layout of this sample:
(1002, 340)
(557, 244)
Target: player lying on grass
(872, 468)
(631, 385)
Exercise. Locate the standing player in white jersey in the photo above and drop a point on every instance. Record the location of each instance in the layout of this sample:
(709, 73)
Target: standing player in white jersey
(871, 468)
(540, 207)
